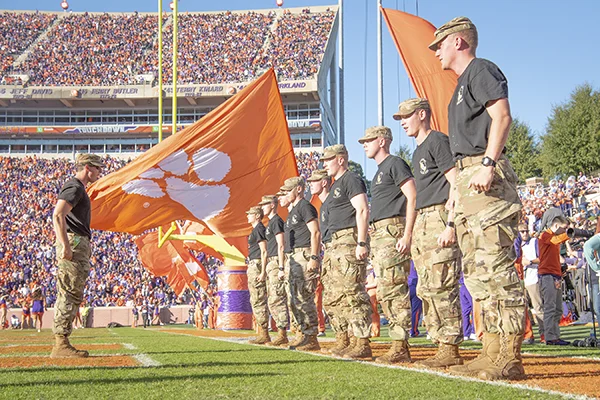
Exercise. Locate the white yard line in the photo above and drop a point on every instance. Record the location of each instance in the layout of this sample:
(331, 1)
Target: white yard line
(146, 361)
(129, 346)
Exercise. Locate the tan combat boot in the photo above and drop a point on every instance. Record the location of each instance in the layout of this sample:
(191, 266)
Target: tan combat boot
(310, 343)
(447, 355)
(262, 338)
(341, 342)
(362, 350)
(485, 360)
(508, 364)
(281, 338)
(398, 353)
(351, 344)
(63, 349)
(298, 339)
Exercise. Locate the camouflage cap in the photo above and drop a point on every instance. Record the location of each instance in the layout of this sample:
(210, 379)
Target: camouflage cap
(458, 24)
(332, 151)
(318, 175)
(255, 210)
(270, 199)
(407, 107)
(280, 193)
(89, 159)
(292, 183)
(375, 132)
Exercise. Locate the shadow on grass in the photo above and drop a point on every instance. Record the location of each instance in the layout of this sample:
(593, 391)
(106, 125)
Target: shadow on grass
(147, 379)
(166, 366)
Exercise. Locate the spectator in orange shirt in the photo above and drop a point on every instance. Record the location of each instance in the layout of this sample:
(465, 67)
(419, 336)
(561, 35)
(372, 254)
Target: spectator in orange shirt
(550, 278)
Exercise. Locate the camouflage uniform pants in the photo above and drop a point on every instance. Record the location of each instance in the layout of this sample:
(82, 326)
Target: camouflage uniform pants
(258, 294)
(303, 284)
(276, 294)
(70, 283)
(486, 227)
(439, 271)
(392, 270)
(344, 292)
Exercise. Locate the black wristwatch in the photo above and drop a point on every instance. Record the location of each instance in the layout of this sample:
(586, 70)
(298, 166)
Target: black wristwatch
(362, 244)
(450, 224)
(488, 162)
(281, 268)
(314, 258)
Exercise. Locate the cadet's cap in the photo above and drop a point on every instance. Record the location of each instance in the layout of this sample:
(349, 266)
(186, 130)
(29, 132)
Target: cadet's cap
(280, 193)
(292, 183)
(255, 210)
(89, 159)
(458, 24)
(267, 200)
(375, 132)
(407, 107)
(332, 151)
(317, 175)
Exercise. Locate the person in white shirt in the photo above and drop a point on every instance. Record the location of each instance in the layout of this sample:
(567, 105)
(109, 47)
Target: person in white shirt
(530, 261)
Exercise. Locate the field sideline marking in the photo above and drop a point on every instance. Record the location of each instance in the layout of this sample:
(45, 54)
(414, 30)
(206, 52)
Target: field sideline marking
(146, 361)
(413, 369)
(129, 346)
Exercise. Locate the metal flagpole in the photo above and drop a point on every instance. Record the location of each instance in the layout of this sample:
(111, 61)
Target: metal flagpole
(341, 116)
(379, 66)
(175, 24)
(160, 84)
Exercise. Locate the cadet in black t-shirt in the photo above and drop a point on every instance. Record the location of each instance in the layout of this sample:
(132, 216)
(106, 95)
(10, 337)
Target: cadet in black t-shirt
(302, 232)
(392, 218)
(71, 221)
(487, 204)
(435, 253)
(344, 274)
(276, 292)
(257, 274)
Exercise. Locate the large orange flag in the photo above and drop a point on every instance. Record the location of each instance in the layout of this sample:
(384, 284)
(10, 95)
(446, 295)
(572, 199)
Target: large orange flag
(212, 171)
(172, 260)
(412, 36)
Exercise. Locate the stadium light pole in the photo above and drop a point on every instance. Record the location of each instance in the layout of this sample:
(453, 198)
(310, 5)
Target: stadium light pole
(379, 66)
(175, 25)
(341, 114)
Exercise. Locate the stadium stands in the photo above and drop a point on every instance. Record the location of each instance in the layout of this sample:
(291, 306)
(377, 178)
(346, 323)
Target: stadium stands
(89, 49)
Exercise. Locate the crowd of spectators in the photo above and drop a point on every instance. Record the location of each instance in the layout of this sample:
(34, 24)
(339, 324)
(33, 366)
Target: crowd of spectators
(85, 49)
(91, 49)
(17, 32)
(307, 163)
(212, 48)
(297, 45)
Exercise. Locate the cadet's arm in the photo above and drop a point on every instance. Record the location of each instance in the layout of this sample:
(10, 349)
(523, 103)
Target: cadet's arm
(361, 205)
(499, 111)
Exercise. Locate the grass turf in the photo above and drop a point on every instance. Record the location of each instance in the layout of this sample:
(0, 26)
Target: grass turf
(193, 367)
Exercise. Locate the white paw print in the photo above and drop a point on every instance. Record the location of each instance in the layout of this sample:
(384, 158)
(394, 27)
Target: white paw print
(187, 181)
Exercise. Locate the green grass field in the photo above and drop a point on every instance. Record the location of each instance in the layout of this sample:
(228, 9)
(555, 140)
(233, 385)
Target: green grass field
(195, 367)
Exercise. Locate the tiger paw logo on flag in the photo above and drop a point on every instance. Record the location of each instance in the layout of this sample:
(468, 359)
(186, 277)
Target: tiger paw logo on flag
(170, 178)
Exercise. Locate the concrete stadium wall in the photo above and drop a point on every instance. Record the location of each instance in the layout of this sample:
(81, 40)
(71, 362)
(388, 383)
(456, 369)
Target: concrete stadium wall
(100, 317)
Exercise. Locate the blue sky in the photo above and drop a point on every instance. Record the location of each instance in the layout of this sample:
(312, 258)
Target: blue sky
(544, 47)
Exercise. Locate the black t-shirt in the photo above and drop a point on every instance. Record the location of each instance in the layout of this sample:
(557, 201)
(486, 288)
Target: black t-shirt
(431, 159)
(78, 220)
(274, 227)
(323, 222)
(469, 121)
(296, 231)
(387, 200)
(342, 214)
(256, 236)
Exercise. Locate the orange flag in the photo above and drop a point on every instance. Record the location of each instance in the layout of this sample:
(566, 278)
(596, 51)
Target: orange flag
(172, 260)
(212, 171)
(412, 36)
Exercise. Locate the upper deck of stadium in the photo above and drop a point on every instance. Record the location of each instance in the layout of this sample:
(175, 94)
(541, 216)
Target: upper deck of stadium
(113, 49)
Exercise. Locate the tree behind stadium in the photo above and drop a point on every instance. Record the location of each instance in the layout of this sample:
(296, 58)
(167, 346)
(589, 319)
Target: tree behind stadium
(522, 151)
(572, 140)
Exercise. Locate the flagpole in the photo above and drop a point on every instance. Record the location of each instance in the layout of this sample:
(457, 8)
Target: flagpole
(379, 66)
(175, 25)
(160, 89)
(341, 114)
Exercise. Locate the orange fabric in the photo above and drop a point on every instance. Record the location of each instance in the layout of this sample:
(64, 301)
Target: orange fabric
(316, 202)
(412, 36)
(172, 260)
(218, 167)
(375, 317)
(549, 245)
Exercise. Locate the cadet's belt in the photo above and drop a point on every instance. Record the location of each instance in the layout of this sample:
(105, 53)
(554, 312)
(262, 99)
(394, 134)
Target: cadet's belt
(327, 245)
(342, 232)
(387, 221)
(468, 161)
(300, 249)
(273, 258)
(434, 207)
